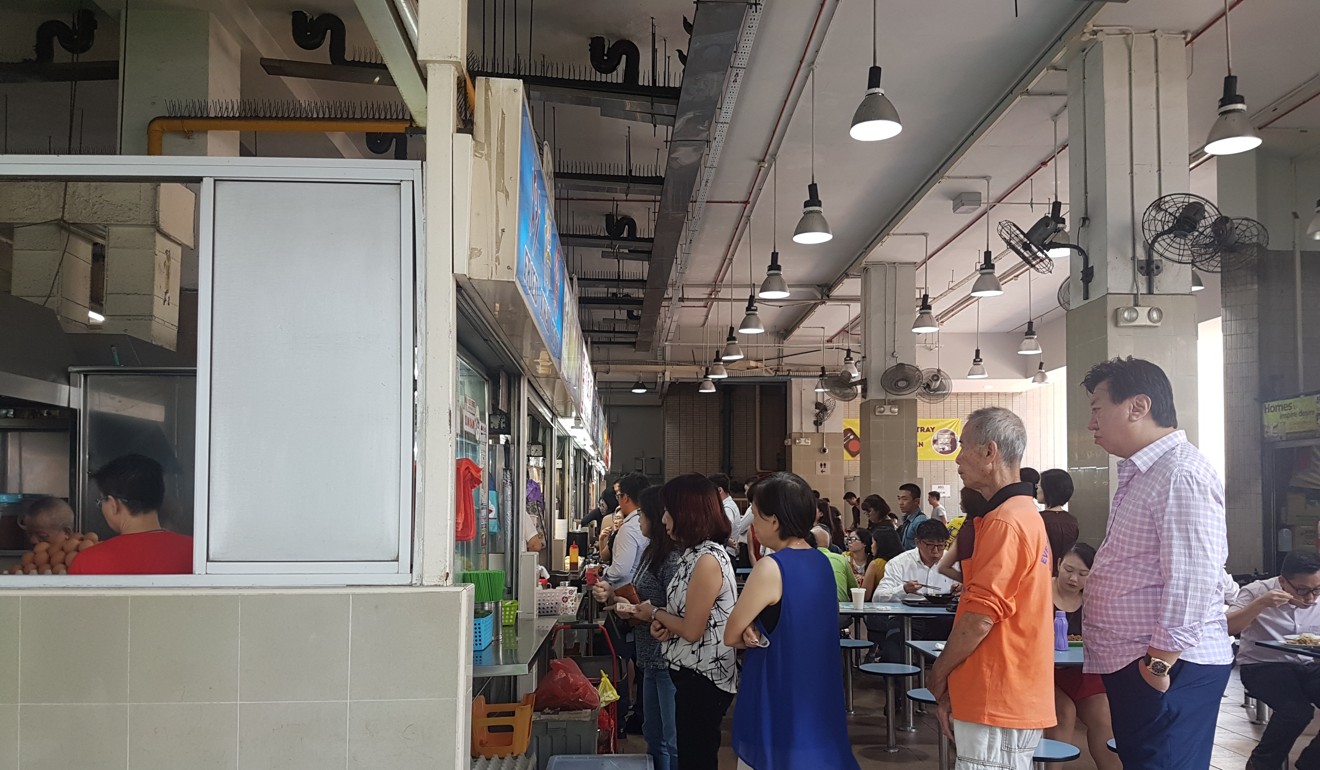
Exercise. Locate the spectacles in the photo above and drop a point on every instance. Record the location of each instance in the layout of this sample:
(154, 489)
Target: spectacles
(931, 544)
(851, 539)
(1303, 593)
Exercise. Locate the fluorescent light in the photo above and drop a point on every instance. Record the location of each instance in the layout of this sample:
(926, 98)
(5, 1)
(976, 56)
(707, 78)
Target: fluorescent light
(774, 286)
(875, 119)
(95, 317)
(977, 372)
(1232, 133)
(812, 228)
(925, 323)
(987, 285)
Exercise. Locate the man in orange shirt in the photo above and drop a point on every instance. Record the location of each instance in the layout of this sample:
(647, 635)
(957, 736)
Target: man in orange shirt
(995, 678)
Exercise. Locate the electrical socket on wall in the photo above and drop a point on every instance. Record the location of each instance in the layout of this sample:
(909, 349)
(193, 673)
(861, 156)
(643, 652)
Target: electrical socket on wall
(886, 410)
(802, 441)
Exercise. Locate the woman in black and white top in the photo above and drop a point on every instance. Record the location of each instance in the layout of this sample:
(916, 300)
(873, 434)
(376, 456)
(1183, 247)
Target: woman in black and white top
(701, 597)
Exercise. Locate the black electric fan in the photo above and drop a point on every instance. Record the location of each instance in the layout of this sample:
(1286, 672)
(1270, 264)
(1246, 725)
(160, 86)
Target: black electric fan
(936, 385)
(1177, 227)
(1232, 243)
(901, 380)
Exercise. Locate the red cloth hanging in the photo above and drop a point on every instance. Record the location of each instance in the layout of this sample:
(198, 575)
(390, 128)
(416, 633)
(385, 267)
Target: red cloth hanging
(469, 478)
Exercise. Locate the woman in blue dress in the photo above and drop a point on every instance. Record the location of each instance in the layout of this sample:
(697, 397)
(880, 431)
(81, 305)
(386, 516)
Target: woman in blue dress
(790, 602)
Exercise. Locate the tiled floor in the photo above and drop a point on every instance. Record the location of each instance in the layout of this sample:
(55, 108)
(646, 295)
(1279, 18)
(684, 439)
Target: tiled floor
(1235, 739)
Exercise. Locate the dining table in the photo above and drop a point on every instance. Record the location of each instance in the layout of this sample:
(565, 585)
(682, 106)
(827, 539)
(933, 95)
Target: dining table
(907, 611)
(1070, 657)
(1305, 651)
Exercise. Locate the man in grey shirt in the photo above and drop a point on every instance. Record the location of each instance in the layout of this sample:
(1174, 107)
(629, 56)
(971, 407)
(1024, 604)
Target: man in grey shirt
(629, 542)
(1269, 610)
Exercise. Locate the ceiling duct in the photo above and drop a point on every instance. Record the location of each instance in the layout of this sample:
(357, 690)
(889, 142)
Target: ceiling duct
(717, 31)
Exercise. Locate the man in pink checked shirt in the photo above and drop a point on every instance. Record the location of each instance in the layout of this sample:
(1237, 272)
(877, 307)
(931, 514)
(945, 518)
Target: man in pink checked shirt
(1154, 622)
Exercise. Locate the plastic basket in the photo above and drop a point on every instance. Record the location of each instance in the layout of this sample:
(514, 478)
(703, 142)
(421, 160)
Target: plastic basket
(556, 602)
(483, 632)
(514, 723)
(509, 612)
(566, 732)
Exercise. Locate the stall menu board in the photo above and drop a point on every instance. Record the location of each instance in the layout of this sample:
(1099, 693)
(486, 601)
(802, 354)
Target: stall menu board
(541, 276)
(1292, 418)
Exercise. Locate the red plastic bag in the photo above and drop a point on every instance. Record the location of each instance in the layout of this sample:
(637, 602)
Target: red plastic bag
(566, 688)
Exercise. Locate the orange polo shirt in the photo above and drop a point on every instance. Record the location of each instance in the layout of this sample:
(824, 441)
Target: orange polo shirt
(1008, 681)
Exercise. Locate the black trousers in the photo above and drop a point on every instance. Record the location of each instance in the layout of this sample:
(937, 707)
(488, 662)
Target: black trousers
(699, 708)
(1292, 690)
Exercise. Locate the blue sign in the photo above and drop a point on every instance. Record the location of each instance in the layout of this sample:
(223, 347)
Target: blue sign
(541, 276)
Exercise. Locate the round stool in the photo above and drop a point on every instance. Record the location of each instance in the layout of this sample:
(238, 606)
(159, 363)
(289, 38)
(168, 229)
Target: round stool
(1112, 744)
(850, 648)
(923, 695)
(890, 671)
(1051, 752)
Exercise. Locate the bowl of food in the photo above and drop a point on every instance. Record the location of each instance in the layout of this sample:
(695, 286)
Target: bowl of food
(939, 600)
(1302, 640)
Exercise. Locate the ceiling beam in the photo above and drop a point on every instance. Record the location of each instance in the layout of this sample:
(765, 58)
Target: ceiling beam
(396, 48)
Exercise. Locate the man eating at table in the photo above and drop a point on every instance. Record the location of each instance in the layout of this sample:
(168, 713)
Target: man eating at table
(911, 573)
(1268, 611)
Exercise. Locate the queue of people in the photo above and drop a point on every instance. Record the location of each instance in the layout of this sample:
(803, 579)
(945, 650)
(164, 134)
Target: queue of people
(1149, 605)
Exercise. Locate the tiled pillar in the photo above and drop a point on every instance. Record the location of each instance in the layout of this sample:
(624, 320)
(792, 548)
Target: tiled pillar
(1127, 123)
(170, 55)
(889, 423)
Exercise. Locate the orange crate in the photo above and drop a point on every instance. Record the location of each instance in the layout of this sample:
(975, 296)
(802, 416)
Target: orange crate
(514, 721)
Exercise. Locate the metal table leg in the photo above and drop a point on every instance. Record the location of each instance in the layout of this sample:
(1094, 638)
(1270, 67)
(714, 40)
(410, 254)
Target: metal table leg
(909, 721)
(891, 742)
(848, 678)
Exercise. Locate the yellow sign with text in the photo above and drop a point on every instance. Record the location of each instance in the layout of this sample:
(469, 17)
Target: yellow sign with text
(1292, 417)
(939, 439)
(852, 437)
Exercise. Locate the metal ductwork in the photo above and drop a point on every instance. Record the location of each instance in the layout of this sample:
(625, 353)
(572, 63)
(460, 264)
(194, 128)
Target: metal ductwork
(716, 31)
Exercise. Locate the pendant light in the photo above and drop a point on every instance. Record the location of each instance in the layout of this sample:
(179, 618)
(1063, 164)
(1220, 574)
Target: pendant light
(977, 371)
(1313, 229)
(850, 366)
(875, 119)
(812, 227)
(987, 284)
(707, 385)
(1197, 283)
(1052, 250)
(774, 286)
(716, 370)
(1040, 378)
(1030, 344)
(1232, 132)
(926, 323)
(732, 352)
(639, 387)
(820, 383)
(751, 322)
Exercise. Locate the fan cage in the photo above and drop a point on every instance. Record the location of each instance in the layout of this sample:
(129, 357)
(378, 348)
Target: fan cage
(1031, 254)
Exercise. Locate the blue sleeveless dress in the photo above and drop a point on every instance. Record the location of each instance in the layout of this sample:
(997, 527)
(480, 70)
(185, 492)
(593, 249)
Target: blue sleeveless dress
(790, 713)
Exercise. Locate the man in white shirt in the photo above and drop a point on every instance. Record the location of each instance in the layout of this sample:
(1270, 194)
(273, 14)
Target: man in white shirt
(912, 573)
(937, 511)
(629, 542)
(737, 526)
(1268, 610)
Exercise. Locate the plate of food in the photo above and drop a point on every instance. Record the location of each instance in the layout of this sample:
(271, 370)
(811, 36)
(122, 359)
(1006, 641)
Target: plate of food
(1302, 640)
(1074, 640)
(916, 600)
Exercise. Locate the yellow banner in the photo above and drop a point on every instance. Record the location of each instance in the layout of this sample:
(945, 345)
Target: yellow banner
(938, 439)
(852, 437)
(1291, 417)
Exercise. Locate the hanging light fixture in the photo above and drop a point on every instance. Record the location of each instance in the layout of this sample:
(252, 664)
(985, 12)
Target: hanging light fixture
(774, 286)
(732, 352)
(1030, 344)
(987, 285)
(716, 370)
(1053, 249)
(751, 322)
(1232, 132)
(812, 227)
(820, 383)
(1040, 377)
(875, 119)
(708, 384)
(925, 322)
(850, 366)
(1197, 283)
(977, 371)
(1313, 229)
(639, 387)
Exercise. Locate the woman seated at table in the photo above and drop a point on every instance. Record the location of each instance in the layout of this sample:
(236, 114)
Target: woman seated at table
(885, 545)
(1079, 696)
(785, 621)
(858, 550)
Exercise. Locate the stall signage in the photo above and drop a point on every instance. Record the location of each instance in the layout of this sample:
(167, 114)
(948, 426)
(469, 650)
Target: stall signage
(499, 423)
(471, 417)
(938, 439)
(541, 276)
(1292, 417)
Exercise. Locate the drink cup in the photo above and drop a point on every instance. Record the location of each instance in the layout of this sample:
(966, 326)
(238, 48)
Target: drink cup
(858, 598)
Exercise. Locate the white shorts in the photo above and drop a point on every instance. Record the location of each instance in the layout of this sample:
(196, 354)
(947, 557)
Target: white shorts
(982, 747)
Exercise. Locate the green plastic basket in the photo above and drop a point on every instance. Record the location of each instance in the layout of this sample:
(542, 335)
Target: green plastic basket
(489, 584)
(509, 612)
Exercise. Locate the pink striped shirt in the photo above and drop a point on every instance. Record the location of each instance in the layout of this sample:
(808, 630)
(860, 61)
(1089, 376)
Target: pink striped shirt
(1157, 577)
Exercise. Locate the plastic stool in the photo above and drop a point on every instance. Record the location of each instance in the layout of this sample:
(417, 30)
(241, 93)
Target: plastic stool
(890, 671)
(1112, 744)
(850, 648)
(923, 695)
(515, 718)
(1051, 752)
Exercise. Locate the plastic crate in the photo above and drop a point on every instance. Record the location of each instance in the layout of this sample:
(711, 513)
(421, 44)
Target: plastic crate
(556, 602)
(509, 612)
(565, 732)
(609, 762)
(501, 729)
(483, 632)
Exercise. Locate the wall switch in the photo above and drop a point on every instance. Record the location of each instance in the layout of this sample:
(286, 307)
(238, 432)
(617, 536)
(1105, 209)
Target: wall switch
(1138, 315)
(886, 410)
(802, 441)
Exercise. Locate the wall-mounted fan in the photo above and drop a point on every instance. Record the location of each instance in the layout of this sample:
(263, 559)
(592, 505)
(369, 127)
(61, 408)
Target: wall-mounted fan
(1231, 243)
(824, 408)
(936, 385)
(1030, 246)
(1064, 294)
(1177, 227)
(841, 386)
(901, 380)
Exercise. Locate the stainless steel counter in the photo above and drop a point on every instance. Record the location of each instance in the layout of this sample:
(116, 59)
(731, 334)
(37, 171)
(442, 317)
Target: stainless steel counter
(517, 651)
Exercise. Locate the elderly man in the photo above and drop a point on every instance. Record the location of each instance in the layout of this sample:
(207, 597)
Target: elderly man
(995, 679)
(1268, 610)
(1154, 621)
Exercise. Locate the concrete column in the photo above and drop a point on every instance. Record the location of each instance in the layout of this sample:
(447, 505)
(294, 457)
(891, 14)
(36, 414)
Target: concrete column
(143, 265)
(1127, 120)
(53, 267)
(889, 423)
(170, 55)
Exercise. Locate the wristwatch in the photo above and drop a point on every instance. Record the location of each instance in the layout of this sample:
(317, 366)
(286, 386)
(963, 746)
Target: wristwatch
(1156, 666)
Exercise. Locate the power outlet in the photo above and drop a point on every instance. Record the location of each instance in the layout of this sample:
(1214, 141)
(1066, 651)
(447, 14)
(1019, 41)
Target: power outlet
(1138, 315)
(802, 442)
(886, 410)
